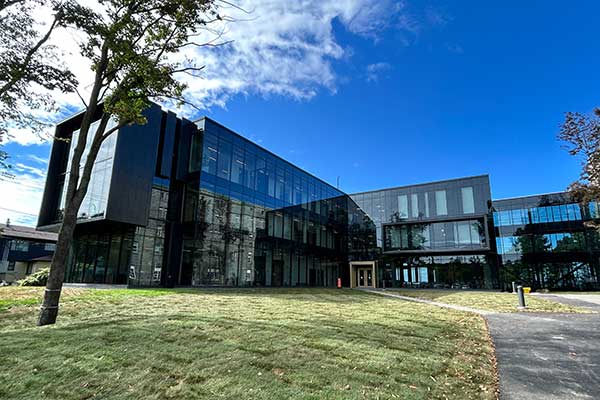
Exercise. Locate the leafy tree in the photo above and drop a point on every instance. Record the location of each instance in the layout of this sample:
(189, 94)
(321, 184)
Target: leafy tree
(581, 134)
(28, 62)
(130, 44)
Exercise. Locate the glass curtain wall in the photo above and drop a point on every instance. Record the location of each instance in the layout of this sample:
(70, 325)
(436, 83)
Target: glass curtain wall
(543, 241)
(147, 248)
(96, 199)
(252, 218)
(452, 235)
(427, 202)
(101, 257)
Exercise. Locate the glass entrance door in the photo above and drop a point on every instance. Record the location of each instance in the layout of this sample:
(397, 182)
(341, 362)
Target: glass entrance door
(365, 277)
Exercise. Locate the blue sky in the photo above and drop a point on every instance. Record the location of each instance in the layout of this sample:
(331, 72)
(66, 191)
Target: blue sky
(483, 93)
(407, 93)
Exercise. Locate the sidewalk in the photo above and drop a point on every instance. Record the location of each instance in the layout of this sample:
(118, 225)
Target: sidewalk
(425, 301)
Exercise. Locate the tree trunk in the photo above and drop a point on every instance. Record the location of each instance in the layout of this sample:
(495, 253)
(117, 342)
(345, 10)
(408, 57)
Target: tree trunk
(49, 309)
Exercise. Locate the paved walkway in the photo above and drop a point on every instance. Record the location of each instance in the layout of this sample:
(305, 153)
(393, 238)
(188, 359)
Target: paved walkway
(425, 301)
(547, 356)
(541, 355)
(93, 286)
(590, 301)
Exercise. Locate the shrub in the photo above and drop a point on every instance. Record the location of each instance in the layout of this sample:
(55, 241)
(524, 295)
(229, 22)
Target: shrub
(39, 278)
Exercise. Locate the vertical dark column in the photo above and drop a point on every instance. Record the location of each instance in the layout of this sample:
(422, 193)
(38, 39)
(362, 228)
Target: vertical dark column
(173, 229)
(172, 260)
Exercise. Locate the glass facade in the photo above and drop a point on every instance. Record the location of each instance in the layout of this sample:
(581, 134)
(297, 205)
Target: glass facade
(100, 254)
(96, 199)
(440, 236)
(433, 235)
(439, 272)
(219, 210)
(251, 218)
(242, 216)
(148, 242)
(543, 242)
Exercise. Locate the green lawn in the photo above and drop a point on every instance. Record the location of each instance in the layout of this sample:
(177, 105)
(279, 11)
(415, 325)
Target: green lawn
(241, 344)
(489, 301)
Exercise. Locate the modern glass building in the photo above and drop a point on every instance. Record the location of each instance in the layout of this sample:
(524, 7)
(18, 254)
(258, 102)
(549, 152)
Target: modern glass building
(434, 234)
(181, 203)
(547, 242)
(200, 205)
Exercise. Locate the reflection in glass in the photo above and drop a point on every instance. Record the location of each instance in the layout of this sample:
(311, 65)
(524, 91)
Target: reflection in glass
(402, 206)
(468, 201)
(441, 206)
(414, 205)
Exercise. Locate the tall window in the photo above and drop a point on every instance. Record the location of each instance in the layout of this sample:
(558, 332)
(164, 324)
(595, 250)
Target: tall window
(426, 205)
(463, 233)
(403, 206)
(414, 205)
(468, 202)
(224, 160)
(441, 206)
(237, 165)
(96, 199)
(209, 154)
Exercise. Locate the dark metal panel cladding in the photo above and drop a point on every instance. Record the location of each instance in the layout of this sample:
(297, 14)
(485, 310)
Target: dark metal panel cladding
(187, 130)
(168, 145)
(56, 167)
(133, 170)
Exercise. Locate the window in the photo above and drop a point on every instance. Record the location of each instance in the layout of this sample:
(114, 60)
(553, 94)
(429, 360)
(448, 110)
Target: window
(573, 212)
(476, 236)
(224, 160)
(96, 199)
(468, 202)
(50, 247)
(593, 207)
(209, 155)
(426, 205)
(237, 166)
(463, 233)
(544, 217)
(195, 153)
(413, 274)
(11, 266)
(19, 245)
(441, 206)
(414, 205)
(403, 206)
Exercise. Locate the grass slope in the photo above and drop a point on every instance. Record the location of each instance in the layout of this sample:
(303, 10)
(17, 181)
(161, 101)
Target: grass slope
(241, 344)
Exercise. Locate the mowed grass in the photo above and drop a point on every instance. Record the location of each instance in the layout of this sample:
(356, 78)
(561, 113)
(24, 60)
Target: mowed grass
(241, 344)
(489, 301)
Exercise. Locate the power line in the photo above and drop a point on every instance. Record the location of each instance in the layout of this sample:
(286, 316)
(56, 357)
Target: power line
(17, 211)
(32, 186)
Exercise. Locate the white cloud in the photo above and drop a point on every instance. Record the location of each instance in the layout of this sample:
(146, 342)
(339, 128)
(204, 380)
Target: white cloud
(22, 196)
(284, 48)
(375, 70)
(38, 160)
(280, 48)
